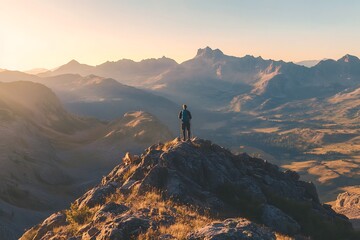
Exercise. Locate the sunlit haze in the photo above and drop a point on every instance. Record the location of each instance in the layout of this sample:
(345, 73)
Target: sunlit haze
(45, 33)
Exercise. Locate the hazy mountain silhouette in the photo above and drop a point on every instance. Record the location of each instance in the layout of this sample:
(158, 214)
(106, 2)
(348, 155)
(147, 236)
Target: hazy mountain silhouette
(100, 97)
(11, 76)
(105, 98)
(71, 67)
(36, 71)
(125, 71)
(44, 152)
(308, 63)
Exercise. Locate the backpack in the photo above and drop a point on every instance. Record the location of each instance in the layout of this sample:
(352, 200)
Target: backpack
(185, 117)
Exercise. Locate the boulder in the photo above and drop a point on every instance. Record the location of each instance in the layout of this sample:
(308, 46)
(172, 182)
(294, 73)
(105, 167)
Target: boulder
(90, 234)
(95, 196)
(346, 200)
(232, 229)
(114, 208)
(55, 220)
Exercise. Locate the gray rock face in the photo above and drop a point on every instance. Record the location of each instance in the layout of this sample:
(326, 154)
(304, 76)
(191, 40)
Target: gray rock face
(278, 220)
(125, 227)
(211, 180)
(232, 229)
(55, 220)
(114, 208)
(96, 196)
(90, 234)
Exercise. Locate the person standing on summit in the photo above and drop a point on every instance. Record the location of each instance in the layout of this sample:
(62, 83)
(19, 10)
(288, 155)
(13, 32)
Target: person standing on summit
(185, 117)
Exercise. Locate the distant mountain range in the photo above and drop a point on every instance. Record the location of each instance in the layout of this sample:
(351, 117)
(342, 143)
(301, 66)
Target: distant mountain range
(125, 71)
(99, 97)
(45, 151)
(36, 71)
(214, 80)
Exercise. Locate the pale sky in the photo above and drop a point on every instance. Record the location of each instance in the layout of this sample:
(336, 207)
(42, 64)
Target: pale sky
(49, 33)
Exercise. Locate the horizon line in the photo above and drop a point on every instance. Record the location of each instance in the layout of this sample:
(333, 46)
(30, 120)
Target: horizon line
(177, 61)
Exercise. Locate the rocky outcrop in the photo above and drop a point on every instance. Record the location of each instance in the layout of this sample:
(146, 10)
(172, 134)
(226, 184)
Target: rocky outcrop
(204, 186)
(232, 229)
(277, 219)
(348, 203)
(54, 221)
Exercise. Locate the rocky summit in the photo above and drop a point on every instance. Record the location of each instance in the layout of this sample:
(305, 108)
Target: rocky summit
(196, 190)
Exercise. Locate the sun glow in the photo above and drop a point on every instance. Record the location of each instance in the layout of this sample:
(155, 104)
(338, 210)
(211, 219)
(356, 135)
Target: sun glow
(43, 33)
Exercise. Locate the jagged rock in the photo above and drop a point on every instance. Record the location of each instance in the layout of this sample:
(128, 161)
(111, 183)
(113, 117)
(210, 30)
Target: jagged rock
(252, 190)
(91, 234)
(114, 208)
(346, 200)
(232, 229)
(95, 196)
(292, 174)
(154, 179)
(310, 191)
(125, 227)
(128, 227)
(131, 159)
(348, 203)
(132, 225)
(55, 220)
(84, 228)
(128, 185)
(278, 220)
(109, 210)
(214, 182)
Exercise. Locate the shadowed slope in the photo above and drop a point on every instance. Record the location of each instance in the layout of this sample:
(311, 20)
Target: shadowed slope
(44, 152)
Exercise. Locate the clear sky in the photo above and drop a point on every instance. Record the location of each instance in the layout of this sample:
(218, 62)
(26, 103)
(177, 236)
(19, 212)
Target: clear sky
(49, 33)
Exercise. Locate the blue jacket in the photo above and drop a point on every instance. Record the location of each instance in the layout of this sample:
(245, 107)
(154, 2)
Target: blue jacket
(187, 115)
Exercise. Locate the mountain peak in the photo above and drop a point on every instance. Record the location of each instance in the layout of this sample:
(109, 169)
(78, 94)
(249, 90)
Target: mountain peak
(73, 62)
(209, 53)
(207, 177)
(349, 59)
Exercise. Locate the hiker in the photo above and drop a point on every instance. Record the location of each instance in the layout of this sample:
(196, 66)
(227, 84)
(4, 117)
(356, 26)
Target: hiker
(185, 117)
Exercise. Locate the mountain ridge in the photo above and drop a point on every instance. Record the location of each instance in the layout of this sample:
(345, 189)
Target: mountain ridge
(228, 79)
(207, 51)
(44, 152)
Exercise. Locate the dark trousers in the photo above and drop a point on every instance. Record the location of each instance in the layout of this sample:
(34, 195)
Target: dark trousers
(185, 126)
